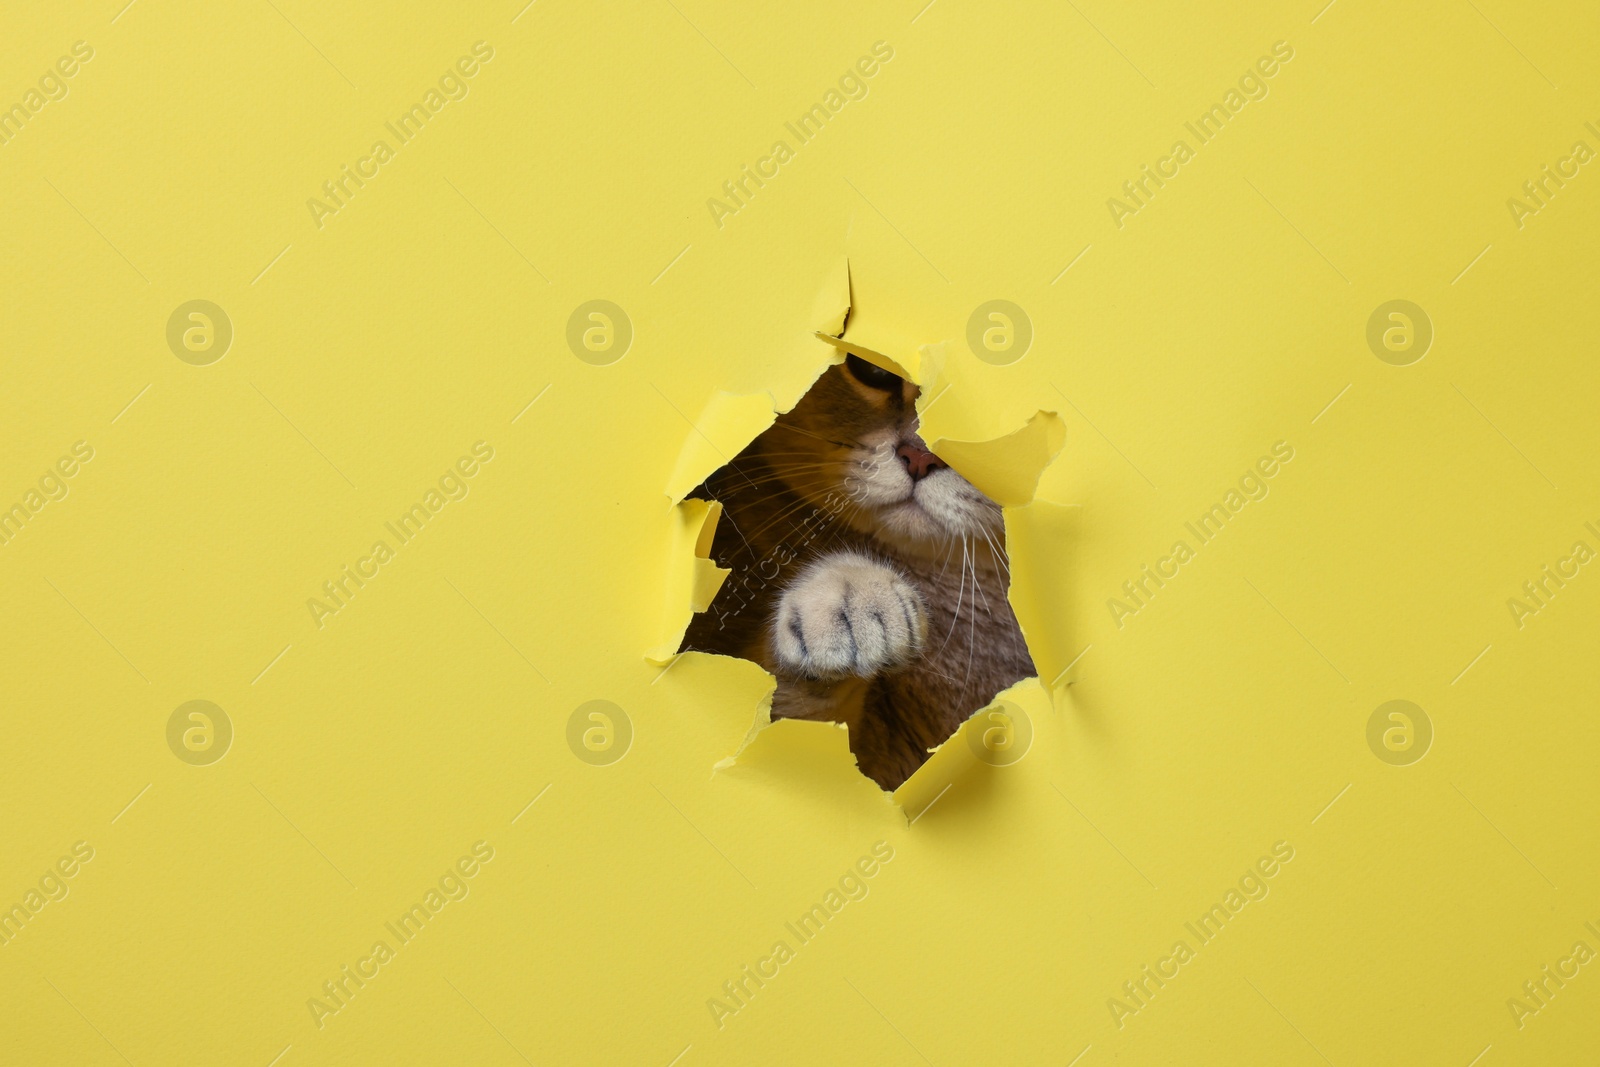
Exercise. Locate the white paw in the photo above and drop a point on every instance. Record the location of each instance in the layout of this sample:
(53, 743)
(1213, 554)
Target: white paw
(848, 614)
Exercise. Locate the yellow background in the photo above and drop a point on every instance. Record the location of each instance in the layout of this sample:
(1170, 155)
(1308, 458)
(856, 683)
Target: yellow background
(369, 354)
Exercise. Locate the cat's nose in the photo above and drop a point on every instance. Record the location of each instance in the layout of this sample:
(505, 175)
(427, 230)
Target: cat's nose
(918, 460)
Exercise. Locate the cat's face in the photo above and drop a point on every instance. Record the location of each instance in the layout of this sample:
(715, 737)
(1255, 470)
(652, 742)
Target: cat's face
(851, 445)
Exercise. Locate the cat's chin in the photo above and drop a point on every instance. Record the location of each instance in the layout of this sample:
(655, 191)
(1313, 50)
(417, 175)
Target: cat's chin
(909, 521)
(912, 528)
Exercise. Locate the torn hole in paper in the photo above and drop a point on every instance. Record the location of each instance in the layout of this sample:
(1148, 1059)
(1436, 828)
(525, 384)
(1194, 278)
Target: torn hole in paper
(866, 569)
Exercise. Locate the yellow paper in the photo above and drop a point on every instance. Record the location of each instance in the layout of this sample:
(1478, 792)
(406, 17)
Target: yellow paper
(244, 346)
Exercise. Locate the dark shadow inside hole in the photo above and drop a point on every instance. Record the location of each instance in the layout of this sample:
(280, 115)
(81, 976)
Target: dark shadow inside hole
(867, 575)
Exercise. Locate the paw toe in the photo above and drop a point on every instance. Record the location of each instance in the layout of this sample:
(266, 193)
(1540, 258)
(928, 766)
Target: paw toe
(854, 616)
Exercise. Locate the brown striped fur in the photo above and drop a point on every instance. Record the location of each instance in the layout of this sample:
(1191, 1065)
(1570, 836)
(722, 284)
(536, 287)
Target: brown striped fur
(876, 598)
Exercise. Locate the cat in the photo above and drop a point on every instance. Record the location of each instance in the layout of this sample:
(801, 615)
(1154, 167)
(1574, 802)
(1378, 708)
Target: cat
(867, 575)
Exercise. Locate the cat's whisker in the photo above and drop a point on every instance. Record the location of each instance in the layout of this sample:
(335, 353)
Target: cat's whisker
(825, 516)
(961, 592)
(972, 631)
(768, 479)
(775, 475)
(780, 517)
(977, 585)
(785, 513)
(949, 551)
(808, 453)
(727, 515)
(1000, 557)
(969, 553)
(767, 466)
(808, 433)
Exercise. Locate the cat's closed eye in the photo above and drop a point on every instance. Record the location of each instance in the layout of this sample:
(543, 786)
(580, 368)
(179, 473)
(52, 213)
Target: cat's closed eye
(871, 376)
